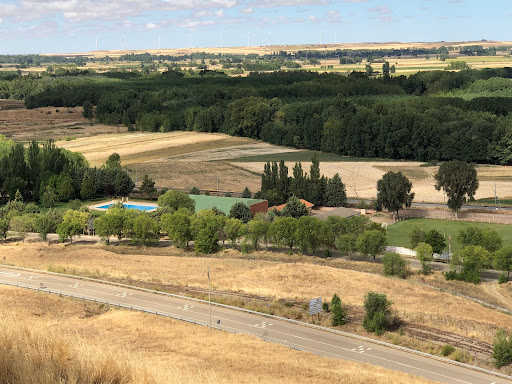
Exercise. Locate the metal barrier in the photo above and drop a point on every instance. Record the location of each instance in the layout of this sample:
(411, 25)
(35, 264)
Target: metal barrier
(314, 326)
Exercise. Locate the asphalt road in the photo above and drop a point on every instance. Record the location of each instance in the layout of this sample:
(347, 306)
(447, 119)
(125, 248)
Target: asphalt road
(439, 205)
(323, 343)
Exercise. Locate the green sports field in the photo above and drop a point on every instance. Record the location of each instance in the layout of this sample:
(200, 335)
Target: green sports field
(398, 234)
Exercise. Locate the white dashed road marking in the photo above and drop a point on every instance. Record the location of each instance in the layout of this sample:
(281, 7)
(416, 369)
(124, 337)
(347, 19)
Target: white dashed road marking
(264, 324)
(186, 307)
(10, 274)
(124, 294)
(77, 285)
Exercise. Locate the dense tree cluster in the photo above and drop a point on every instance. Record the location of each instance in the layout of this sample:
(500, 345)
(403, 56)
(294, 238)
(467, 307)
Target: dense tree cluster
(339, 113)
(277, 187)
(50, 174)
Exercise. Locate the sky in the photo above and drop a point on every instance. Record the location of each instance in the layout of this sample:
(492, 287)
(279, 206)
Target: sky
(65, 26)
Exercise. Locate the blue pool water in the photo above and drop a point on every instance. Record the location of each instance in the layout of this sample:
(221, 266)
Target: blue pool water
(131, 206)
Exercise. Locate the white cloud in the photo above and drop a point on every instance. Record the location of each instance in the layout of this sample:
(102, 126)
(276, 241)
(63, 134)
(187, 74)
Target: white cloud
(151, 26)
(219, 13)
(248, 10)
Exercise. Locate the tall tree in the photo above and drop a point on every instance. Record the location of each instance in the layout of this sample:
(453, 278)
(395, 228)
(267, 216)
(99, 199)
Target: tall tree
(314, 183)
(148, 186)
(298, 182)
(394, 192)
(283, 184)
(335, 194)
(459, 181)
(503, 260)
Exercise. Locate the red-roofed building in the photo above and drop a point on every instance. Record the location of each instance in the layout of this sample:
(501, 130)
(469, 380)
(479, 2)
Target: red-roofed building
(279, 208)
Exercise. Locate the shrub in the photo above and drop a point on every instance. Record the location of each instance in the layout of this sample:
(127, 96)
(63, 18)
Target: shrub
(502, 349)
(287, 304)
(378, 317)
(395, 265)
(447, 350)
(338, 314)
(325, 307)
(75, 205)
(503, 278)
(327, 253)
(241, 212)
(194, 191)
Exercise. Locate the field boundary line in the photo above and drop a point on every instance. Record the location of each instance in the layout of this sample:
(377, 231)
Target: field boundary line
(314, 326)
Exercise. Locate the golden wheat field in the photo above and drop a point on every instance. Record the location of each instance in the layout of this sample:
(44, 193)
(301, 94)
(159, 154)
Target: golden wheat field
(361, 178)
(292, 281)
(45, 339)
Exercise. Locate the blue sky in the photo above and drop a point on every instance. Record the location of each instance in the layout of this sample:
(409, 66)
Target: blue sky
(57, 26)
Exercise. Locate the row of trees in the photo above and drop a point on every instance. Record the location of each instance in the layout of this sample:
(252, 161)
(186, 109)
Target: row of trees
(277, 187)
(49, 174)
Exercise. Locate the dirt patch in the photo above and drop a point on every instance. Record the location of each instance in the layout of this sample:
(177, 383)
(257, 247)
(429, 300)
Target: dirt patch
(19, 123)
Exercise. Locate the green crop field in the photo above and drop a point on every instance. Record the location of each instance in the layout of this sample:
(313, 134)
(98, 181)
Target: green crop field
(398, 234)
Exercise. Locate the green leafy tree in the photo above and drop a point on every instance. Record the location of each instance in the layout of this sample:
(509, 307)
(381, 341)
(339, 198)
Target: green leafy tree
(424, 255)
(368, 70)
(385, 69)
(416, 236)
(309, 233)
(21, 225)
(378, 316)
(347, 243)
(371, 243)
(104, 227)
(4, 227)
(246, 194)
(195, 191)
(66, 190)
(88, 110)
(394, 192)
(147, 186)
(67, 230)
(234, 230)
(144, 230)
(206, 229)
(486, 237)
(471, 260)
(459, 181)
(295, 208)
(88, 188)
(178, 227)
(256, 231)
(502, 348)
(241, 211)
(436, 240)
(284, 230)
(395, 265)
(49, 197)
(113, 161)
(176, 200)
(502, 260)
(45, 224)
(338, 312)
(335, 195)
(315, 192)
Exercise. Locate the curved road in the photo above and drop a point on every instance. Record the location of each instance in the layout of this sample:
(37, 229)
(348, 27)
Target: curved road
(272, 329)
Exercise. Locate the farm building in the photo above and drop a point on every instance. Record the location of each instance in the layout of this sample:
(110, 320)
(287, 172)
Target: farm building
(339, 212)
(225, 203)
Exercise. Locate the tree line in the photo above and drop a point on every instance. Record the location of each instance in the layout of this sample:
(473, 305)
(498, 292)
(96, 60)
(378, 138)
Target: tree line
(342, 114)
(49, 174)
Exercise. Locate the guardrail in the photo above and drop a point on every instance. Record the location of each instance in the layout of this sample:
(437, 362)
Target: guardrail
(314, 326)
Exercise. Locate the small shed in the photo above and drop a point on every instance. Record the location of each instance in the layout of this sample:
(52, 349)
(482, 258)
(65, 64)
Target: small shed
(279, 208)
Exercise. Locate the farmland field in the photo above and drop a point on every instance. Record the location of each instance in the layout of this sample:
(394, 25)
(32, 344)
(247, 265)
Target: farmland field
(185, 159)
(398, 233)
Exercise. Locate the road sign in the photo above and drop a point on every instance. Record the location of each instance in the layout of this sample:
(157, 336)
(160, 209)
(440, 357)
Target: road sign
(476, 353)
(315, 306)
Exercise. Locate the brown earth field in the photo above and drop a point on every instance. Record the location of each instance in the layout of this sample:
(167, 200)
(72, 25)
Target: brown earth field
(21, 124)
(415, 300)
(45, 336)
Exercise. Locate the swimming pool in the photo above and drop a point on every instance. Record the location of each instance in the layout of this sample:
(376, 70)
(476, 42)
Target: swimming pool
(131, 206)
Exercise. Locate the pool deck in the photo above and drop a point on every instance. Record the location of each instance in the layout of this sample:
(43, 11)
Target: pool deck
(129, 202)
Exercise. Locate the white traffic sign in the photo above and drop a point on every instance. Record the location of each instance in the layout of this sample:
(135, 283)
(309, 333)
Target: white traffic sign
(315, 306)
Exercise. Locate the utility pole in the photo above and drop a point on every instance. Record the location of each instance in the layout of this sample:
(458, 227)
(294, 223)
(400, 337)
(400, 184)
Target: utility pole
(209, 300)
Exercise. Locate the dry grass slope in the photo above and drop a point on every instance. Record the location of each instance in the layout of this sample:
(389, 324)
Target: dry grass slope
(290, 281)
(83, 348)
